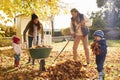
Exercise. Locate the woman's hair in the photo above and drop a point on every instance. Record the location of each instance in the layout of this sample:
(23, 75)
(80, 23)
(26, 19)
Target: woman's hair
(74, 10)
(38, 24)
(34, 16)
(79, 17)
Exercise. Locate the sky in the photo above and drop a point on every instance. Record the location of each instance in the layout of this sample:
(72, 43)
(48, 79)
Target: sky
(83, 6)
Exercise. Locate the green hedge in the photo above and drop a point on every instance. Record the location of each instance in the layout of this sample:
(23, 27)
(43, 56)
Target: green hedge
(5, 41)
(58, 33)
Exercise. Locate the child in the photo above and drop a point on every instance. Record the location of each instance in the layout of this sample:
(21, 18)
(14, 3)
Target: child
(17, 50)
(99, 48)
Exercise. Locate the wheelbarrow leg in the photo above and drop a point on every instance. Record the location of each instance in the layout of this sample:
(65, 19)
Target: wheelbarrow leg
(33, 61)
(42, 64)
(29, 60)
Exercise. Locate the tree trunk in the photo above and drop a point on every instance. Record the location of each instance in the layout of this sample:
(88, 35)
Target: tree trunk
(52, 24)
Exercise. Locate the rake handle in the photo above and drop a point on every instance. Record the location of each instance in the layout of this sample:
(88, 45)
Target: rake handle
(62, 49)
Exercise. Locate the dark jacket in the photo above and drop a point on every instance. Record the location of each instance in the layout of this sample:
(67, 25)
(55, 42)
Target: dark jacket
(103, 46)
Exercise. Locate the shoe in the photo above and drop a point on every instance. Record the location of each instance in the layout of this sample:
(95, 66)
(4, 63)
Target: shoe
(88, 63)
(101, 76)
(15, 63)
(75, 58)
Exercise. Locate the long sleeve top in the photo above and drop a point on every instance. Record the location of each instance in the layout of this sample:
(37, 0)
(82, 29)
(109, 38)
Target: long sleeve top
(17, 48)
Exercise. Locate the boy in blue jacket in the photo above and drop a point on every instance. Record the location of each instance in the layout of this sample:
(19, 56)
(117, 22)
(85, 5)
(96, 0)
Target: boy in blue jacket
(99, 48)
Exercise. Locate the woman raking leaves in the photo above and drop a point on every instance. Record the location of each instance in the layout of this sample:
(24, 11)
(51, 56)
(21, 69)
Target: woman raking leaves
(79, 31)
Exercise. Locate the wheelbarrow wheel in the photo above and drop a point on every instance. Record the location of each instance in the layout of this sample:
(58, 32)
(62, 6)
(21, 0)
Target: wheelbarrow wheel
(42, 65)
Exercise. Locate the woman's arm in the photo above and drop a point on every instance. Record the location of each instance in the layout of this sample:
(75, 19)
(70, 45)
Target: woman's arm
(25, 31)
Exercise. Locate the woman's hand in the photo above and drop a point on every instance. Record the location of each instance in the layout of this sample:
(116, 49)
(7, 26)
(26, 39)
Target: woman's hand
(73, 35)
(82, 23)
(42, 41)
(24, 40)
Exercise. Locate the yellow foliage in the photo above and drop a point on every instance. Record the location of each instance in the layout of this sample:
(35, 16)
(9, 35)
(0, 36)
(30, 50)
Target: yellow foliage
(43, 8)
(65, 31)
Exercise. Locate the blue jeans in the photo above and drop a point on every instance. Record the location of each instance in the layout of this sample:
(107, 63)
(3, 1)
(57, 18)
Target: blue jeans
(17, 57)
(100, 59)
(30, 40)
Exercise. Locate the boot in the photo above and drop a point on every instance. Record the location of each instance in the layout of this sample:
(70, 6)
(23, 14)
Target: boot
(15, 63)
(42, 65)
(101, 75)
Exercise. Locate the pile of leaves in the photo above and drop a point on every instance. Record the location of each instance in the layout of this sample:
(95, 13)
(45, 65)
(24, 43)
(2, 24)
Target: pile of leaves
(66, 70)
(61, 71)
(41, 46)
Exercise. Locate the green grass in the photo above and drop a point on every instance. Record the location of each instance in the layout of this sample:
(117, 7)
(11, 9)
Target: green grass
(7, 41)
(113, 43)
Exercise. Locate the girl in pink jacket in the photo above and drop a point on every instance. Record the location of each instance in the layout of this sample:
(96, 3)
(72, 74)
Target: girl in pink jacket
(17, 50)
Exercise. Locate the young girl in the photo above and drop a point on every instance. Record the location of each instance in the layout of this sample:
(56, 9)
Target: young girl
(17, 50)
(99, 48)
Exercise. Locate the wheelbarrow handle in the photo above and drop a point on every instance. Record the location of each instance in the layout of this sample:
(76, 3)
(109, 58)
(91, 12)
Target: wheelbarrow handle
(63, 49)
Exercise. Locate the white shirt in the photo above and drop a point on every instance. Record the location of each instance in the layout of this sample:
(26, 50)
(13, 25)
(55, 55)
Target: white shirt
(17, 48)
(35, 35)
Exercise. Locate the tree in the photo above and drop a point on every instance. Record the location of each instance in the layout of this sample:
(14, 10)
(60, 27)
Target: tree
(111, 10)
(101, 3)
(65, 31)
(99, 21)
(43, 8)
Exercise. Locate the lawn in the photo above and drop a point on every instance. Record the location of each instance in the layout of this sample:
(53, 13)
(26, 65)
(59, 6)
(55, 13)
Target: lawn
(30, 72)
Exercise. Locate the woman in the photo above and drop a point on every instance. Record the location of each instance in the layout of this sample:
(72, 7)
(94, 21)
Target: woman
(78, 20)
(34, 27)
